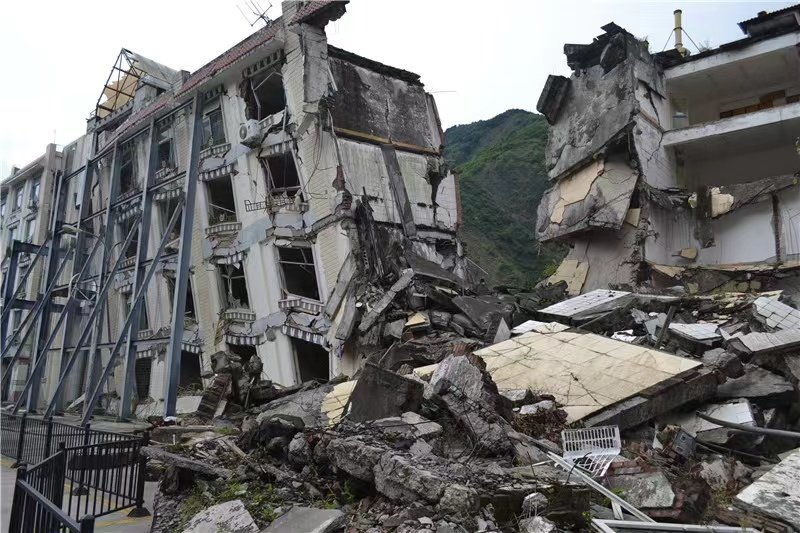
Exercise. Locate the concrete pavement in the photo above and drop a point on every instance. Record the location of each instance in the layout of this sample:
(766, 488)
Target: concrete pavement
(114, 522)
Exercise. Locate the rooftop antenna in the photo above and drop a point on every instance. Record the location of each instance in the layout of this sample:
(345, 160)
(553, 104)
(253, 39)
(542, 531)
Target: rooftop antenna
(257, 13)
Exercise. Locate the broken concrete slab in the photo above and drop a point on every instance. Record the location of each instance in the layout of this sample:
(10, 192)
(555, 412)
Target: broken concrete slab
(517, 397)
(229, 517)
(777, 342)
(307, 520)
(739, 412)
(538, 327)
(380, 306)
(727, 363)
(552, 97)
(408, 426)
(760, 386)
(482, 311)
(179, 461)
(398, 478)
(382, 393)
(587, 306)
(777, 493)
(588, 373)
(701, 332)
(537, 524)
(573, 273)
(646, 490)
(775, 315)
(460, 374)
(354, 457)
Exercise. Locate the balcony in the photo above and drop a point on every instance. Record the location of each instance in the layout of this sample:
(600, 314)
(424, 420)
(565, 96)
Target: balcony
(293, 302)
(215, 151)
(222, 221)
(738, 149)
(165, 172)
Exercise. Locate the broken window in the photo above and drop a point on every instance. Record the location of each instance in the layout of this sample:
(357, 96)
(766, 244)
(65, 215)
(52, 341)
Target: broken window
(166, 157)
(127, 169)
(312, 360)
(124, 227)
(3, 206)
(18, 198)
(144, 368)
(30, 230)
(263, 95)
(281, 174)
(188, 308)
(190, 371)
(299, 275)
(167, 208)
(213, 128)
(221, 202)
(144, 323)
(35, 186)
(235, 286)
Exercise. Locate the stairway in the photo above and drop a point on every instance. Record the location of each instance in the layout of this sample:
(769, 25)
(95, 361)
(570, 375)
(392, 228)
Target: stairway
(212, 395)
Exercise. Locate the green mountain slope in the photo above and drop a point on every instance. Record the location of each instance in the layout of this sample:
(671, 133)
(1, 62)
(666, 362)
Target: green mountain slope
(500, 163)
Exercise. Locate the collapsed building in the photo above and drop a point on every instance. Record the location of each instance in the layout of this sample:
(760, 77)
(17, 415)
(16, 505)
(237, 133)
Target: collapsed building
(225, 215)
(670, 168)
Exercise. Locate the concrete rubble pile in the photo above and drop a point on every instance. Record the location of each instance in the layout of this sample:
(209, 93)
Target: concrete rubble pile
(455, 420)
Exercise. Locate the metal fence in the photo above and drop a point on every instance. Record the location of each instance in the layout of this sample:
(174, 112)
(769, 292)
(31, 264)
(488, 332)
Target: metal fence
(38, 494)
(98, 472)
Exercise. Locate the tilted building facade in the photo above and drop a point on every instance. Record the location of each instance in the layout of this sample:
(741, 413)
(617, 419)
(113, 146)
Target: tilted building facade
(297, 163)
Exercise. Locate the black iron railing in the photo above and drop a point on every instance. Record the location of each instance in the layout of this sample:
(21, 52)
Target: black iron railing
(38, 495)
(96, 473)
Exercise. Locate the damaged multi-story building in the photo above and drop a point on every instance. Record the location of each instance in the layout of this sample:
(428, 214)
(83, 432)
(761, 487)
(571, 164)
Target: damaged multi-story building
(241, 202)
(674, 168)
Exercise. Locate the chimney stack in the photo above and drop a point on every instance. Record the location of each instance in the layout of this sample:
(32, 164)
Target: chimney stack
(679, 33)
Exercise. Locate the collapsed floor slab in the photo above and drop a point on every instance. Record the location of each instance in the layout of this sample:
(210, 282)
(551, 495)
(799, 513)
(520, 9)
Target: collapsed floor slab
(589, 374)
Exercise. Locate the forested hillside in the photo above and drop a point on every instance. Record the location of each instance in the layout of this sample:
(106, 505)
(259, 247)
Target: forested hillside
(500, 162)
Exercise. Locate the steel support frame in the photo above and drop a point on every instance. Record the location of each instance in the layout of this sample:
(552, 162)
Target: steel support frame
(101, 294)
(78, 257)
(30, 320)
(95, 356)
(10, 292)
(146, 200)
(52, 272)
(91, 400)
(184, 261)
(66, 311)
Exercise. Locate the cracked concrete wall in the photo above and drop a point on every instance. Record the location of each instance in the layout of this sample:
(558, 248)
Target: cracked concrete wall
(612, 259)
(598, 106)
(596, 196)
(380, 105)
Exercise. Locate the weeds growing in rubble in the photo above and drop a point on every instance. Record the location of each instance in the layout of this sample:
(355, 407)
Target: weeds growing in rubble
(260, 499)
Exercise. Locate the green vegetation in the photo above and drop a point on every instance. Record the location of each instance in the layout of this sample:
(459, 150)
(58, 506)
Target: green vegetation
(259, 498)
(500, 163)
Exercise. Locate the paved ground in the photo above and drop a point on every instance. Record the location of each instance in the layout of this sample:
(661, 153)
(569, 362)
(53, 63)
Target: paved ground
(113, 522)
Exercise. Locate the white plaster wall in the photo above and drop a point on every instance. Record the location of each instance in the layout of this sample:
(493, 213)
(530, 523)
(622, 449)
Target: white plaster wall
(743, 166)
(658, 164)
(789, 209)
(742, 236)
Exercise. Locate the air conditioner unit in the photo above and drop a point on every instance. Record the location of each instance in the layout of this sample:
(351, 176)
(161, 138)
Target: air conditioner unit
(250, 133)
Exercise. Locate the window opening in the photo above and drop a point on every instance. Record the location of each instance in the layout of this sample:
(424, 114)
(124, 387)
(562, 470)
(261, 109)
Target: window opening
(213, 128)
(18, 198)
(127, 169)
(299, 275)
(221, 202)
(35, 186)
(144, 369)
(263, 95)
(190, 371)
(166, 157)
(281, 174)
(235, 286)
(312, 360)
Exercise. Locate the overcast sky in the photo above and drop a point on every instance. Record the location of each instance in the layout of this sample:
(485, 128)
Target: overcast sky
(479, 58)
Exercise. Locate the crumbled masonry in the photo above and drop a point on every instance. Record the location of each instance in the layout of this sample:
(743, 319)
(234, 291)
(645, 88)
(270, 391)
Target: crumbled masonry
(378, 385)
